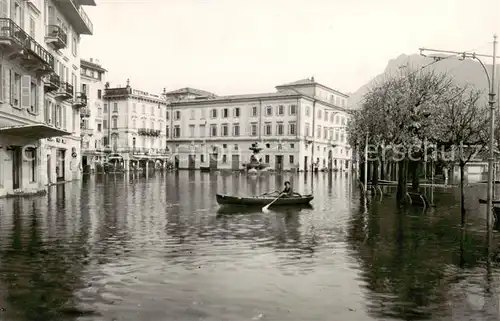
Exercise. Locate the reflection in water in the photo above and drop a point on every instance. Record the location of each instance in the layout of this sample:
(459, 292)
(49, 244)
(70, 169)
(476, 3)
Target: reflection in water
(146, 246)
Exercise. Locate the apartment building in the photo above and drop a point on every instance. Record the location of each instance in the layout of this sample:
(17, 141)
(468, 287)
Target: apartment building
(301, 126)
(36, 38)
(66, 22)
(134, 127)
(93, 80)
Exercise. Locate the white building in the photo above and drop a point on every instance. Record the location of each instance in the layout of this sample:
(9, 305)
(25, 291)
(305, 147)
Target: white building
(66, 22)
(134, 127)
(302, 121)
(93, 80)
(39, 54)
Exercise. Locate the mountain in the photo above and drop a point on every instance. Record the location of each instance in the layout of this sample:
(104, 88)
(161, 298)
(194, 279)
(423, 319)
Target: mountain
(466, 71)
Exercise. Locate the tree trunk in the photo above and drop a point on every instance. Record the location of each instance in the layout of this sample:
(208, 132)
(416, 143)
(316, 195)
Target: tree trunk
(376, 165)
(402, 180)
(362, 172)
(462, 198)
(382, 169)
(415, 177)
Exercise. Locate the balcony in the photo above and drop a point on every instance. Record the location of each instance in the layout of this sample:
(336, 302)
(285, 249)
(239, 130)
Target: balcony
(86, 132)
(52, 82)
(85, 112)
(149, 132)
(65, 91)
(80, 100)
(19, 46)
(147, 151)
(56, 37)
(76, 16)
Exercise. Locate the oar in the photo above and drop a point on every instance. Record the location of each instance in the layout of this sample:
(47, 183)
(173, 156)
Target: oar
(265, 208)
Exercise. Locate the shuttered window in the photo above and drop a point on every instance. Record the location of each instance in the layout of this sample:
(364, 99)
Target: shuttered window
(26, 92)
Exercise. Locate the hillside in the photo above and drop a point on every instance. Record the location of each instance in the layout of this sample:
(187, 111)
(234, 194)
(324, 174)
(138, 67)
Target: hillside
(466, 71)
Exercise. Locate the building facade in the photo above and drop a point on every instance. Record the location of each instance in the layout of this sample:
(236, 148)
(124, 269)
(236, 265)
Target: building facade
(134, 128)
(38, 40)
(93, 80)
(301, 127)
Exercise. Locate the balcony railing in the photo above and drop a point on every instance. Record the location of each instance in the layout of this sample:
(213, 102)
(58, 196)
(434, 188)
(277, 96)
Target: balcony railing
(56, 37)
(146, 151)
(85, 112)
(52, 82)
(80, 100)
(117, 92)
(86, 19)
(69, 89)
(149, 132)
(27, 46)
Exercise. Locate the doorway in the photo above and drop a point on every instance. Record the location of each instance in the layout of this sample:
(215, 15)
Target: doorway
(60, 164)
(213, 161)
(192, 162)
(330, 160)
(235, 162)
(16, 167)
(176, 162)
(49, 166)
(279, 163)
(305, 164)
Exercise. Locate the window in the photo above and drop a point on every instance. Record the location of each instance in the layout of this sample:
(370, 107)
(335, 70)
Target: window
(290, 159)
(134, 123)
(236, 112)
(99, 127)
(292, 129)
(32, 27)
(332, 115)
(319, 114)
(177, 131)
(318, 132)
(202, 158)
(5, 84)
(281, 110)
(167, 132)
(343, 121)
(269, 111)
(99, 95)
(225, 130)
(34, 98)
(16, 89)
(235, 147)
(279, 129)
(293, 109)
(254, 130)
(325, 133)
(99, 112)
(292, 146)
(225, 113)
(168, 114)
(236, 129)
(267, 129)
(115, 123)
(337, 119)
(308, 130)
(74, 45)
(191, 130)
(177, 115)
(105, 108)
(213, 130)
(254, 111)
(31, 155)
(224, 159)
(266, 159)
(202, 131)
(326, 115)
(115, 107)
(213, 113)
(191, 114)
(105, 124)
(47, 111)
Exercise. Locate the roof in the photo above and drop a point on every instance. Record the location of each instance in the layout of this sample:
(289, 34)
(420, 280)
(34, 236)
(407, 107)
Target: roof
(35, 131)
(92, 65)
(301, 82)
(189, 90)
(309, 82)
(283, 94)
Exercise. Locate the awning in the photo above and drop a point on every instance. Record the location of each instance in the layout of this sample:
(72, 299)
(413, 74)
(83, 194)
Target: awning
(37, 131)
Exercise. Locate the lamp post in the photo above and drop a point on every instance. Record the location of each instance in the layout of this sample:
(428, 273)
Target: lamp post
(491, 102)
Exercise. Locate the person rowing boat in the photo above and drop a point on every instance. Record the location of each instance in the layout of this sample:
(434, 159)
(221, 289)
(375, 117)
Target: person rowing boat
(286, 192)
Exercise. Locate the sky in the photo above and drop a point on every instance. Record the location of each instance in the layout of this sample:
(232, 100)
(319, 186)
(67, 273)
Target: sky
(238, 47)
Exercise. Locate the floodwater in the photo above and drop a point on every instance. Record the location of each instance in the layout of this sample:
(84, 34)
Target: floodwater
(157, 247)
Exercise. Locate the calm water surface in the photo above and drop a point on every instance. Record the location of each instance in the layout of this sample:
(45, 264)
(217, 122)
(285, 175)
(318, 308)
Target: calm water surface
(158, 247)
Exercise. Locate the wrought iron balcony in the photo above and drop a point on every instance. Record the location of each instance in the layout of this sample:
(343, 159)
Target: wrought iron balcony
(80, 100)
(65, 91)
(56, 37)
(18, 45)
(85, 112)
(52, 82)
(149, 132)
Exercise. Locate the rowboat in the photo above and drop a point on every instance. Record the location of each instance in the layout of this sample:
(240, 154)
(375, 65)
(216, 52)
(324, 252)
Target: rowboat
(263, 200)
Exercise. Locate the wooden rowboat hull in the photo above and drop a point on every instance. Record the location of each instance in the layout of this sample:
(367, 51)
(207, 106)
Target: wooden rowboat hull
(262, 201)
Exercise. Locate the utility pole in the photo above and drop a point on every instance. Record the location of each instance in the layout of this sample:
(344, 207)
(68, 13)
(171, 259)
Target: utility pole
(491, 102)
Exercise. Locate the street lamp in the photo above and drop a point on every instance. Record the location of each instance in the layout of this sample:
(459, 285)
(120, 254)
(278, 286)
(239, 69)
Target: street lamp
(491, 102)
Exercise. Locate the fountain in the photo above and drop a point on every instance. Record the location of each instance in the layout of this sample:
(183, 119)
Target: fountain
(255, 165)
